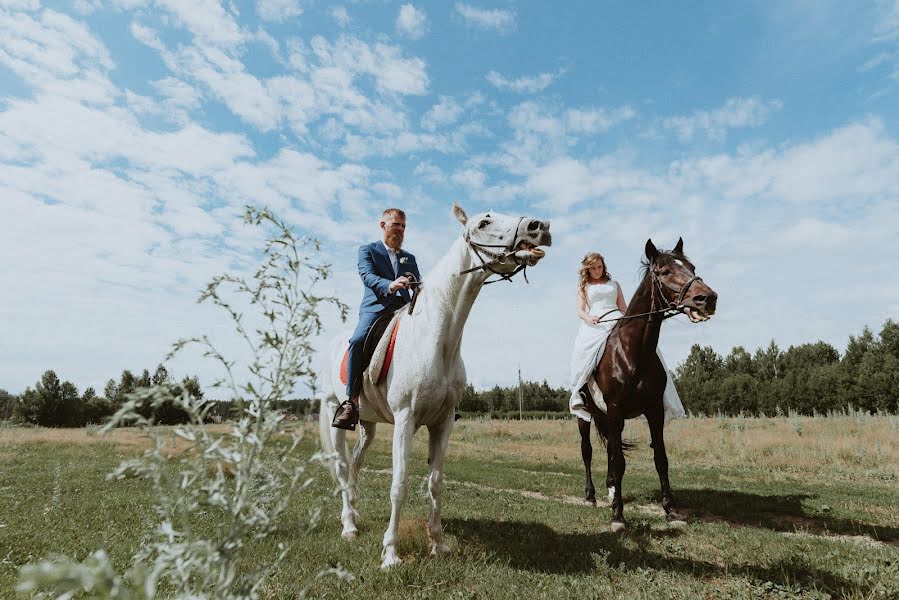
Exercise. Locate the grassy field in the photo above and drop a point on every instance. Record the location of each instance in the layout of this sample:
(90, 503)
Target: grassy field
(779, 508)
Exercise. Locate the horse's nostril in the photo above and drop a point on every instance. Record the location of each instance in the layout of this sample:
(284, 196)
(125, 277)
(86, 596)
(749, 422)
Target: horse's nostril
(699, 299)
(533, 226)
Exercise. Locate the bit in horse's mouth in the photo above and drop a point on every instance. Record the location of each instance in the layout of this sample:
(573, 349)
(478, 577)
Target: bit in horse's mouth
(528, 251)
(696, 315)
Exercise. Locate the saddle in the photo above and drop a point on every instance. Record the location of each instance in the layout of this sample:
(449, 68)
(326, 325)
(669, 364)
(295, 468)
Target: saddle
(372, 338)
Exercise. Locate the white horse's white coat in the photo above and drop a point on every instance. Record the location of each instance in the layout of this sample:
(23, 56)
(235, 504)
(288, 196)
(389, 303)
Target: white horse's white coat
(427, 376)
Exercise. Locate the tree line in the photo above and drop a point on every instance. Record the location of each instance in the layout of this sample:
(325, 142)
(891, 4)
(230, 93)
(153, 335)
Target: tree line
(808, 379)
(55, 403)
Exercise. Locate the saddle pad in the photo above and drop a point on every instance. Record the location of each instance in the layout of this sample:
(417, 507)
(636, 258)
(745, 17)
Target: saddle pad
(385, 366)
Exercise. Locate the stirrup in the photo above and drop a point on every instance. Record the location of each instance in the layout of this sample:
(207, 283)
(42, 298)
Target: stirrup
(346, 426)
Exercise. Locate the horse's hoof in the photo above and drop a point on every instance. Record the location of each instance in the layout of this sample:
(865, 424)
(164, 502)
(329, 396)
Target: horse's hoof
(618, 526)
(349, 534)
(675, 519)
(391, 560)
(590, 502)
(440, 549)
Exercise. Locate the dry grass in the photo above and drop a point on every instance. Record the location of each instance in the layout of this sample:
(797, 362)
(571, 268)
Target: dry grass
(867, 444)
(860, 444)
(125, 438)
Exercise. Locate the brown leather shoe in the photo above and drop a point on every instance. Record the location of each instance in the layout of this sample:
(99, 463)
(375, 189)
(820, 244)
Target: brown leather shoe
(346, 417)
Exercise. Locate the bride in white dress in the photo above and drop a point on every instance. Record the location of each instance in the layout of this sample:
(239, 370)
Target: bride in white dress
(599, 298)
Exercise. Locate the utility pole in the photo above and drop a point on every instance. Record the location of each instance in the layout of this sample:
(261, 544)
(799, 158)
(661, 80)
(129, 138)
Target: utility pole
(519, 392)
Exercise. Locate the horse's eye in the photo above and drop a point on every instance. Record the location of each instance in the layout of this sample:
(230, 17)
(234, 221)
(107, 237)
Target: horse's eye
(665, 272)
(483, 224)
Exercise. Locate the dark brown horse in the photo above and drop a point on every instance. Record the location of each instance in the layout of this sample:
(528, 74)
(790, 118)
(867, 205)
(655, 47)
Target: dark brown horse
(631, 376)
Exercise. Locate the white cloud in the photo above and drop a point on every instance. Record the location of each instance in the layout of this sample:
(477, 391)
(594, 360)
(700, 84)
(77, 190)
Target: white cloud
(278, 10)
(341, 16)
(20, 4)
(445, 112)
(470, 178)
(521, 85)
(596, 120)
(411, 22)
(391, 71)
(888, 26)
(542, 133)
(714, 124)
(499, 20)
(208, 21)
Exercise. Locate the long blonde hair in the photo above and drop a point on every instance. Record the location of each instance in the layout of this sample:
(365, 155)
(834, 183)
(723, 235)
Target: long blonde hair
(584, 275)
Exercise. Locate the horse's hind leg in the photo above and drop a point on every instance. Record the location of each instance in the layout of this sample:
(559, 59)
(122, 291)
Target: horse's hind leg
(404, 428)
(347, 491)
(437, 446)
(366, 437)
(657, 433)
(587, 456)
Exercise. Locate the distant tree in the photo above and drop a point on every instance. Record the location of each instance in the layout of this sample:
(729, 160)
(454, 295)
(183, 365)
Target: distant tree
(697, 380)
(856, 350)
(144, 380)
(877, 384)
(43, 405)
(739, 362)
(7, 405)
(109, 390)
(127, 385)
(765, 362)
(70, 411)
(160, 375)
(889, 338)
(95, 409)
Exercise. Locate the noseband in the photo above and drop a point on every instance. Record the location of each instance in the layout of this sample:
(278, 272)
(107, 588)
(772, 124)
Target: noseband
(673, 307)
(496, 258)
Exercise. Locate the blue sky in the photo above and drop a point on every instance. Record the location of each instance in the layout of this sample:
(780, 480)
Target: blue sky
(132, 133)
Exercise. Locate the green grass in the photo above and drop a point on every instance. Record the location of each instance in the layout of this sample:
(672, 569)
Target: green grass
(774, 514)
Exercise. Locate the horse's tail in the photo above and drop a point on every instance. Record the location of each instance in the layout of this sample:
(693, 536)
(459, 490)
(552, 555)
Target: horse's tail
(327, 408)
(602, 429)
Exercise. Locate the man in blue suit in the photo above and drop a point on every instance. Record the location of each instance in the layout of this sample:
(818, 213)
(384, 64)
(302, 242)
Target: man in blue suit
(382, 267)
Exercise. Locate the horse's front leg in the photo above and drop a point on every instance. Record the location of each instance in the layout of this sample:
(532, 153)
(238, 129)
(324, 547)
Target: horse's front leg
(657, 433)
(404, 428)
(587, 456)
(437, 446)
(615, 448)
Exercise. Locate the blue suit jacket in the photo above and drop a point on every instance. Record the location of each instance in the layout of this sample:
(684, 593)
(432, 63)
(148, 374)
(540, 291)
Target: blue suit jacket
(376, 272)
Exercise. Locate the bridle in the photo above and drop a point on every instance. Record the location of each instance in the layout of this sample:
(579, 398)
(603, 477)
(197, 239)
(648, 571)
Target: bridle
(496, 258)
(669, 309)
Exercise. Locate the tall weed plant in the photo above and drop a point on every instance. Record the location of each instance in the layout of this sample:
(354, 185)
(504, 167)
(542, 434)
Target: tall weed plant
(240, 480)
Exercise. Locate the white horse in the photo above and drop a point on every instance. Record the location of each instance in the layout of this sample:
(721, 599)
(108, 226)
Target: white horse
(427, 375)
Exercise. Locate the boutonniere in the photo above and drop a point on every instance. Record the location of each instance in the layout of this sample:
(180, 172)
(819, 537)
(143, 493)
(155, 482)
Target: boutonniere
(403, 260)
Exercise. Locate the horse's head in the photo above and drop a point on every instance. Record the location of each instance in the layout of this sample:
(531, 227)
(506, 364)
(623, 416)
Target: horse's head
(510, 243)
(678, 283)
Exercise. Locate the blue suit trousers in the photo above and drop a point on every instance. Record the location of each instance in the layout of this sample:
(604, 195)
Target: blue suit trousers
(354, 366)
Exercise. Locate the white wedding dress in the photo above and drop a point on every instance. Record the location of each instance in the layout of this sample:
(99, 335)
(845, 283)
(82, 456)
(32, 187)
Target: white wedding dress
(588, 347)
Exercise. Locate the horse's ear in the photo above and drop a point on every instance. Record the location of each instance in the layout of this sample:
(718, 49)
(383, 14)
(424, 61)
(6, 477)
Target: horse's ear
(459, 213)
(679, 247)
(651, 250)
